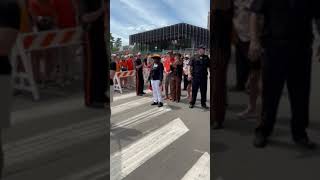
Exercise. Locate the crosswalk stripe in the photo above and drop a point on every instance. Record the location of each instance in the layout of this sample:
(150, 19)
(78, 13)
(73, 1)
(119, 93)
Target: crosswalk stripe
(36, 146)
(200, 170)
(129, 105)
(133, 156)
(45, 111)
(140, 118)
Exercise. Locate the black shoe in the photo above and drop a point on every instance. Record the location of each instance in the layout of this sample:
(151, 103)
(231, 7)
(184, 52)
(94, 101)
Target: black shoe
(160, 104)
(143, 93)
(191, 106)
(140, 94)
(305, 143)
(260, 141)
(204, 106)
(154, 103)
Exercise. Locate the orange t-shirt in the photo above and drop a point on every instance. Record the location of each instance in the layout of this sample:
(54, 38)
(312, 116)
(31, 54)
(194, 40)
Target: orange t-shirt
(130, 64)
(123, 64)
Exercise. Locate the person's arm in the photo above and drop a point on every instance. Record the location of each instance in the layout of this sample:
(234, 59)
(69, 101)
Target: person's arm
(256, 28)
(191, 69)
(161, 72)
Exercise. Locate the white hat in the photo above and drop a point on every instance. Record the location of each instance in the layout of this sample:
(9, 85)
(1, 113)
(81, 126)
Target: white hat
(187, 56)
(139, 53)
(113, 55)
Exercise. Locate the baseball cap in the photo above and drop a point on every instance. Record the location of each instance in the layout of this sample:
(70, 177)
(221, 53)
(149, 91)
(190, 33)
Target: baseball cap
(155, 56)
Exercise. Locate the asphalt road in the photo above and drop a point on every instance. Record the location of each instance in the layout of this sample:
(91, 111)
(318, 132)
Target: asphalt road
(235, 158)
(55, 138)
(148, 142)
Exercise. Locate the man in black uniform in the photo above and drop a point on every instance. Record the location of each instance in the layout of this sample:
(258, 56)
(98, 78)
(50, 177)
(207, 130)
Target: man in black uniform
(9, 28)
(199, 65)
(287, 41)
(139, 76)
(96, 61)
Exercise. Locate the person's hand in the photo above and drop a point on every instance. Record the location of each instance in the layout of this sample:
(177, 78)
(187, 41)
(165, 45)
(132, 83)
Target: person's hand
(189, 78)
(255, 50)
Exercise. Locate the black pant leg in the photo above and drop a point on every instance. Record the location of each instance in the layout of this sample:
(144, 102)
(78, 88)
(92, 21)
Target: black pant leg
(195, 88)
(242, 64)
(273, 78)
(203, 90)
(141, 83)
(299, 82)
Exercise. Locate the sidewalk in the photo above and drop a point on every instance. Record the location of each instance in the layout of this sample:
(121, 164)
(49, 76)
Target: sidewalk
(235, 156)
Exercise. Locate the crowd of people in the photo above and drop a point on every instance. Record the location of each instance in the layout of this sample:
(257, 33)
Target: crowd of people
(273, 41)
(165, 75)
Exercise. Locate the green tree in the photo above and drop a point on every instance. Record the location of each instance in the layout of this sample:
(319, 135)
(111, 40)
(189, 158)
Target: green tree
(112, 41)
(118, 43)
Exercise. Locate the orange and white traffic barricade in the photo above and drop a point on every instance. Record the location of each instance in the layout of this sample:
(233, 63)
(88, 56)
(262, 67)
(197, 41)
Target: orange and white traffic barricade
(117, 79)
(38, 41)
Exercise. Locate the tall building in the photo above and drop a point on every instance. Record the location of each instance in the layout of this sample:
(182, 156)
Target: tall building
(175, 37)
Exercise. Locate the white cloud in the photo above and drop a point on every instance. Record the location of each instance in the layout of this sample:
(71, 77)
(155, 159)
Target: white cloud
(133, 16)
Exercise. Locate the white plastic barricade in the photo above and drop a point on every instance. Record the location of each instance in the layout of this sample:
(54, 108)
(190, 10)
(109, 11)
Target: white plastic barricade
(28, 42)
(117, 79)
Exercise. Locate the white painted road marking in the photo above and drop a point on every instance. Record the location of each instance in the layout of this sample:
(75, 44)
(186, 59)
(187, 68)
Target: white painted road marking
(140, 118)
(32, 147)
(200, 170)
(124, 162)
(129, 105)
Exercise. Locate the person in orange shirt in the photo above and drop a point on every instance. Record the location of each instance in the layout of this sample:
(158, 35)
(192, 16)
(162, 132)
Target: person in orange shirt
(168, 74)
(123, 68)
(118, 64)
(130, 68)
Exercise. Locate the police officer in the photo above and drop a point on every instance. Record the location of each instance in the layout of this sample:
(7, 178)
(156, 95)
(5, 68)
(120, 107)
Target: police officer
(287, 44)
(199, 65)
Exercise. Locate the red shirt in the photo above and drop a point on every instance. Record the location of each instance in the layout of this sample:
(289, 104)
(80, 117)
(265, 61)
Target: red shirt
(130, 64)
(41, 9)
(167, 62)
(65, 13)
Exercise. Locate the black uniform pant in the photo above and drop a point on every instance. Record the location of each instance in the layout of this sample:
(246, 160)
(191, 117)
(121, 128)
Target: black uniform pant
(202, 83)
(139, 82)
(242, 64)
(291, 66)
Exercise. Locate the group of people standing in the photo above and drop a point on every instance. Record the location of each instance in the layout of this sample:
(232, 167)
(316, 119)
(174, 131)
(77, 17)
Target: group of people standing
(169, 73)
(273, 41)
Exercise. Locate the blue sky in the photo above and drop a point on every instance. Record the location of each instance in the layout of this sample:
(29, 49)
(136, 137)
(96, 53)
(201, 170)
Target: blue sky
(133, 16)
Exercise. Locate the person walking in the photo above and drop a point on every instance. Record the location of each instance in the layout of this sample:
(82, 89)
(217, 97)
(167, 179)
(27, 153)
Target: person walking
(175, 83)
(156, 77)
(199, 65)
(285, 38)
(9, 28)
(139, 76)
